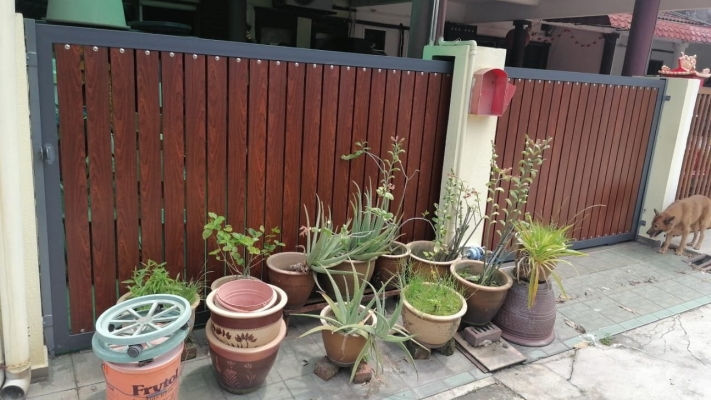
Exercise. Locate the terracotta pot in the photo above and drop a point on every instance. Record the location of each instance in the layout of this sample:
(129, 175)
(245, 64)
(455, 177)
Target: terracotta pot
(242, 371)
(297, 286)
(246, 330)
(423, 265)
(389, 265)
(245, 295)
(533, 327)
(364, 269)
(343, 349)
(193, 306)
(432, 331)
(229, 278)
(483, 302)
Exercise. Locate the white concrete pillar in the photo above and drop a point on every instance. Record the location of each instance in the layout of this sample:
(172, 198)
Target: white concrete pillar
(669, 149)
(469, 137)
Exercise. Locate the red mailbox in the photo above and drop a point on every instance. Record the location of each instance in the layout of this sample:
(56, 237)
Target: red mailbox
(491, 92)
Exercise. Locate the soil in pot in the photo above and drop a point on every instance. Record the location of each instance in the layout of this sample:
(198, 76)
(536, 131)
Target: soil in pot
(483, 302)
(342, 349)
(346, 282)
(420, 264)
(534, 327)
(288, 271)
(242, 371)
(389, 265)
(419, 317)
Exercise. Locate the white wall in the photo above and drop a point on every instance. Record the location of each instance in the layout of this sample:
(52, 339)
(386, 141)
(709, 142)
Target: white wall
(567, 55)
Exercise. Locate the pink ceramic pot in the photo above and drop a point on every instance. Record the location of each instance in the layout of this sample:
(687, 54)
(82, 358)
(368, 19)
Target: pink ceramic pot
(242, 371)
(245, 295)
(246, 330)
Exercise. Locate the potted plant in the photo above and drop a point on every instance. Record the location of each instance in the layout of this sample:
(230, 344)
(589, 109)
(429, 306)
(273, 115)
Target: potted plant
(350, 330)
(292, 271)
(371, 234)
(432, 307)
(240, 251)
(455, 220)
(153, 278)
(484, 283)
(391, 263)
(527, 317)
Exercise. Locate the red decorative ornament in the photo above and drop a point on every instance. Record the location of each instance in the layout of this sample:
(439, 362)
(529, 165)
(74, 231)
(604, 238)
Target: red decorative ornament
(686, 69)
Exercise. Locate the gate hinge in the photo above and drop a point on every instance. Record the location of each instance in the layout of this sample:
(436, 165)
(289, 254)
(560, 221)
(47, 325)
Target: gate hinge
(46, 153)
(47, 321)
(667, 98)
(31, 58)
(642, 222)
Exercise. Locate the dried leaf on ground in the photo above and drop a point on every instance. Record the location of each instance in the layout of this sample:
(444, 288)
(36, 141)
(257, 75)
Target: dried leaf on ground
(581, 345)
(563, 298)
(575, 326)
(628, 309)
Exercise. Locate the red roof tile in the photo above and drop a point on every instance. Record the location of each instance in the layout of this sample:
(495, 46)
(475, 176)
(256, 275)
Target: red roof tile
(686, 32)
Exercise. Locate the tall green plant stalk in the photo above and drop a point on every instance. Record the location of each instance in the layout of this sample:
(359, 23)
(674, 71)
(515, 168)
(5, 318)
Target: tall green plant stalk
(513, 209)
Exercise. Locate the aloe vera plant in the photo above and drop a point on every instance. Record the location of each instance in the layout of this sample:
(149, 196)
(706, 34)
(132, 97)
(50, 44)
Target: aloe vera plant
(350, 318)
(325, 247)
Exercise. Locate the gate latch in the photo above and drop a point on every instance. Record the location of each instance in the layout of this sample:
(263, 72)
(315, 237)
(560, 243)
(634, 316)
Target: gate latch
(47, 153)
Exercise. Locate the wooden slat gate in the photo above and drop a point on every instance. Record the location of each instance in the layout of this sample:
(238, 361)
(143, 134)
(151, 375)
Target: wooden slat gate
(603, 130)
(696, 170)
(151, 132)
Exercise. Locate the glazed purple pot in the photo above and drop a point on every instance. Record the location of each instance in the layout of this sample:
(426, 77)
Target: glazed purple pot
(242, 371)
(532, 327)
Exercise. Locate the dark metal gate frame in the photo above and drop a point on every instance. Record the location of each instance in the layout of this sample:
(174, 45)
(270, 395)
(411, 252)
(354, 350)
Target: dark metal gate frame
(657, 83)
(39, 39)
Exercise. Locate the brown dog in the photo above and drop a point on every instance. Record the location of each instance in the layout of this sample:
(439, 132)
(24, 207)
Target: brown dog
(692, 214)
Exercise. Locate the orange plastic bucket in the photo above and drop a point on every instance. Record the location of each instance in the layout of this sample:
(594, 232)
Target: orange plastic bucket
(159, 379)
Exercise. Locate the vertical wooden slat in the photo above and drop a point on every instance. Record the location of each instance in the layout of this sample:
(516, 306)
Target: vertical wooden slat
(375, 121)
(257, 147)
(544, 98)
(126, 163)
(149, 156)
(276, 116)
(605, 174)
(327, 143)
(173, 161)
(216, 152)
(344, 132)
(645, 127)
(404, 122)
(690, 154)
(613, 173)
(704, 165)
(312, 129)
(597, 134)
(552, 98)
(414, 192)
(237, 120)
(581, 183)
(73, 171)
(694, 141)
(569, 200)
(98, 132)
(427, 155)
(296, 76)
(550, 213)
(561, 199)
(195, 163)
(440, 139)
(360, 133)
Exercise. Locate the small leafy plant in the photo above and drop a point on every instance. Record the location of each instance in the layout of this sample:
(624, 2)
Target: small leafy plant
(240, 251)
(153, 278)
(431, 294)
(350, 317)
(540, 248)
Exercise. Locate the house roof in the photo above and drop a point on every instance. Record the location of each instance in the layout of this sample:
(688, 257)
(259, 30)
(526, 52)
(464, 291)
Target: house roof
(669, 25)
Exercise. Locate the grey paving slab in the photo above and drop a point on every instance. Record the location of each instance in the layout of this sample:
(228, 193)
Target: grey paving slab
(87, 368)
(70, 394)
(93, 392)
(61, 378)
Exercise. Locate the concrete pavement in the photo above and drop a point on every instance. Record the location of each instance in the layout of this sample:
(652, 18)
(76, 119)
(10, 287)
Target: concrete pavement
(669, 359)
